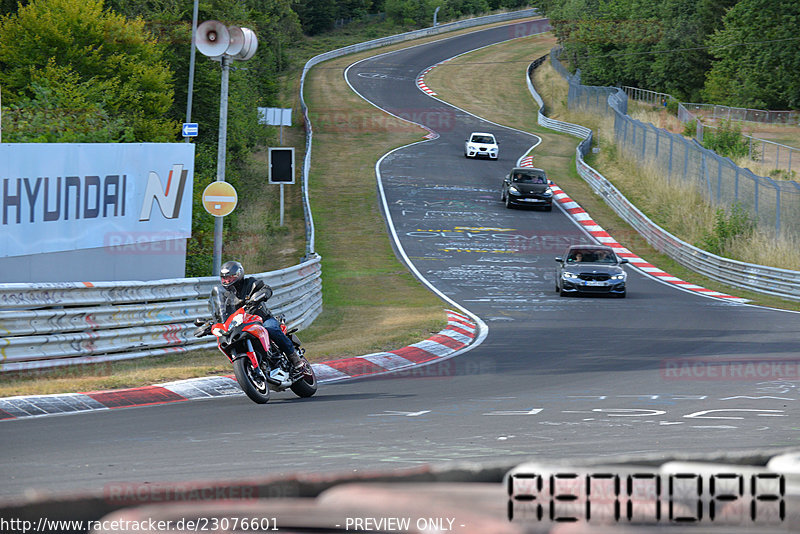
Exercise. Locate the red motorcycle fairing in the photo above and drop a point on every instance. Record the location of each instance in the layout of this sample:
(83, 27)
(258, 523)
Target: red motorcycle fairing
(252, 324)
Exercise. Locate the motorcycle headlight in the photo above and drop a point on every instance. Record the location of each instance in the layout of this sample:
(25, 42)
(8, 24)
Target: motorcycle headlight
(513, 190)
(218, 332)
(236, 321)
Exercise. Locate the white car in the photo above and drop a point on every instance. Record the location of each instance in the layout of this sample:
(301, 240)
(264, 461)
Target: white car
(481, 144)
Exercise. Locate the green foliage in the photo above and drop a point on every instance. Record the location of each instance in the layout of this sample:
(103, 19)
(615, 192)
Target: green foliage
(672, 107)
(766, 72)
(690, 128)
(111, 59)
(637, 43)
(726, 140)
(783, 174)
(728, 227)
(417, 13)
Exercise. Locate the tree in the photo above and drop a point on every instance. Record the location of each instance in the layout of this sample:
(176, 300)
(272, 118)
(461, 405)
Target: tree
(757, 55)
(48, 42)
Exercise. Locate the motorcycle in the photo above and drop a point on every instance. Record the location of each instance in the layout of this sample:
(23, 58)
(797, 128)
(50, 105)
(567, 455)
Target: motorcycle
(258, 364)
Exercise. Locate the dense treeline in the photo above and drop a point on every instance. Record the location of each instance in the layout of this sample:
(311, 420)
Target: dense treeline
(735, 52)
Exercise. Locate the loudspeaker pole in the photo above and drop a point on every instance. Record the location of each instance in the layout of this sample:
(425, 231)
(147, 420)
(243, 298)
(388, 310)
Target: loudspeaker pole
(191, 67)
(221, 151)
(215, 40)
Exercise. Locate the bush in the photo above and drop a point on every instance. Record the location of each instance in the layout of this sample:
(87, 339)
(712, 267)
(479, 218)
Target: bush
(690, 128)
(728, 226)
(727, 140)
(672, 107)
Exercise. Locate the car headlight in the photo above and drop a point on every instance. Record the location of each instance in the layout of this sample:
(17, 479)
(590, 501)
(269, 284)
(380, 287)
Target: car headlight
(619, 276)
(513, 190)
(567, 274)
(472, 147)
(493, 149)
(547, 192)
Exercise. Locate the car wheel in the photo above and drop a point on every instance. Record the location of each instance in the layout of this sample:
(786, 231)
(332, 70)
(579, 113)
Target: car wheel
(502, 195)
(549, 207)
(621, 295)
(562, 293)
(508, 201)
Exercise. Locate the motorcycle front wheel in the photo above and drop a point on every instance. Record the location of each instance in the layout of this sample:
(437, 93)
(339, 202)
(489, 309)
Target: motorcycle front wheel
(252, 385)
(306, 386)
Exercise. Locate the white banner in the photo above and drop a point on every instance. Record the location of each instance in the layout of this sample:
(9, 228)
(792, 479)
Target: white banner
(71, 196)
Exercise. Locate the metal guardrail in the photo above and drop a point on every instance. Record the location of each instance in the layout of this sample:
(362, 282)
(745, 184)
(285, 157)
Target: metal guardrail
(55, 324)
(369, 45)
(783, 283)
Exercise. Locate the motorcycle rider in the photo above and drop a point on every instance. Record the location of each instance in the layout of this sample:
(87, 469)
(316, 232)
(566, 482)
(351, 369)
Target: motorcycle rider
(237, 289)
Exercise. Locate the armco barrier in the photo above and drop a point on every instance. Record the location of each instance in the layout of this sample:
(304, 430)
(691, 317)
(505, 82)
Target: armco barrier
(49, 325)
(783, 283)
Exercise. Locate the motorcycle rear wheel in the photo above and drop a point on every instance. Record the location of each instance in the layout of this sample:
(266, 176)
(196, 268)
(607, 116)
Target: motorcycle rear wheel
(306, 386)
(254, 388)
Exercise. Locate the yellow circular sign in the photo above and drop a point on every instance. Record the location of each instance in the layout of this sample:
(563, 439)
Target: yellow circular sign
(219, 199)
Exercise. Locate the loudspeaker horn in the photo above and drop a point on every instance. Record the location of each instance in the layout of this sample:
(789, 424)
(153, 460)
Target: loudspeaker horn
(212, 38)
(237, 40)
(249, 45)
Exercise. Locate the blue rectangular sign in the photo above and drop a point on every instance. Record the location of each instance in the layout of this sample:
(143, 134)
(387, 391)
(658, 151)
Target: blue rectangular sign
(189, 129)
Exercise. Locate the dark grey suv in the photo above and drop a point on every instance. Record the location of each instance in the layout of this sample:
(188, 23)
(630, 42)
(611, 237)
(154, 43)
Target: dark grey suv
(527, 186)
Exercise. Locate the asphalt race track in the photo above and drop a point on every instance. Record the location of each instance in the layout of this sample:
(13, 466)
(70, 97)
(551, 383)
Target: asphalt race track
(555, 377)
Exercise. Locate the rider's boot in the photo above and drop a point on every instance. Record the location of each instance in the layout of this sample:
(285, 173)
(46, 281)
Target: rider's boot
(297, 363)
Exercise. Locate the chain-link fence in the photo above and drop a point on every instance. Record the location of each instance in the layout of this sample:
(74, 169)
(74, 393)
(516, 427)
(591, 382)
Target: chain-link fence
(770, 203)
(768, 153)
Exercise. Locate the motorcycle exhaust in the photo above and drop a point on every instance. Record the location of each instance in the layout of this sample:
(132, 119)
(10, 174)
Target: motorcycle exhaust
(279, 378)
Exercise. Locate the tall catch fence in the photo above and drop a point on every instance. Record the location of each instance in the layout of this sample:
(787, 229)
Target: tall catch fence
(768, 280)
(771, 204)
(768, 153)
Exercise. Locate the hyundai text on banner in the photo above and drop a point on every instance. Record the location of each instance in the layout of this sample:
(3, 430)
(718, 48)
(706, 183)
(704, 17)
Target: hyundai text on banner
(70, 196)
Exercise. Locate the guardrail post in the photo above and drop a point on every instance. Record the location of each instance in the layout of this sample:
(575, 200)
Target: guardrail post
(736, 185)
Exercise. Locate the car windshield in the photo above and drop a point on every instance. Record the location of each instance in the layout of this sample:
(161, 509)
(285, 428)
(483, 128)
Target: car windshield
(529, 178)
(488, 139)
(592, 256)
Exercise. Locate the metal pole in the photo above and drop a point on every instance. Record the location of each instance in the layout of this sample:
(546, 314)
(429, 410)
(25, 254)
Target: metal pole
(223, 132)
(191, 68)
(281, 205)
